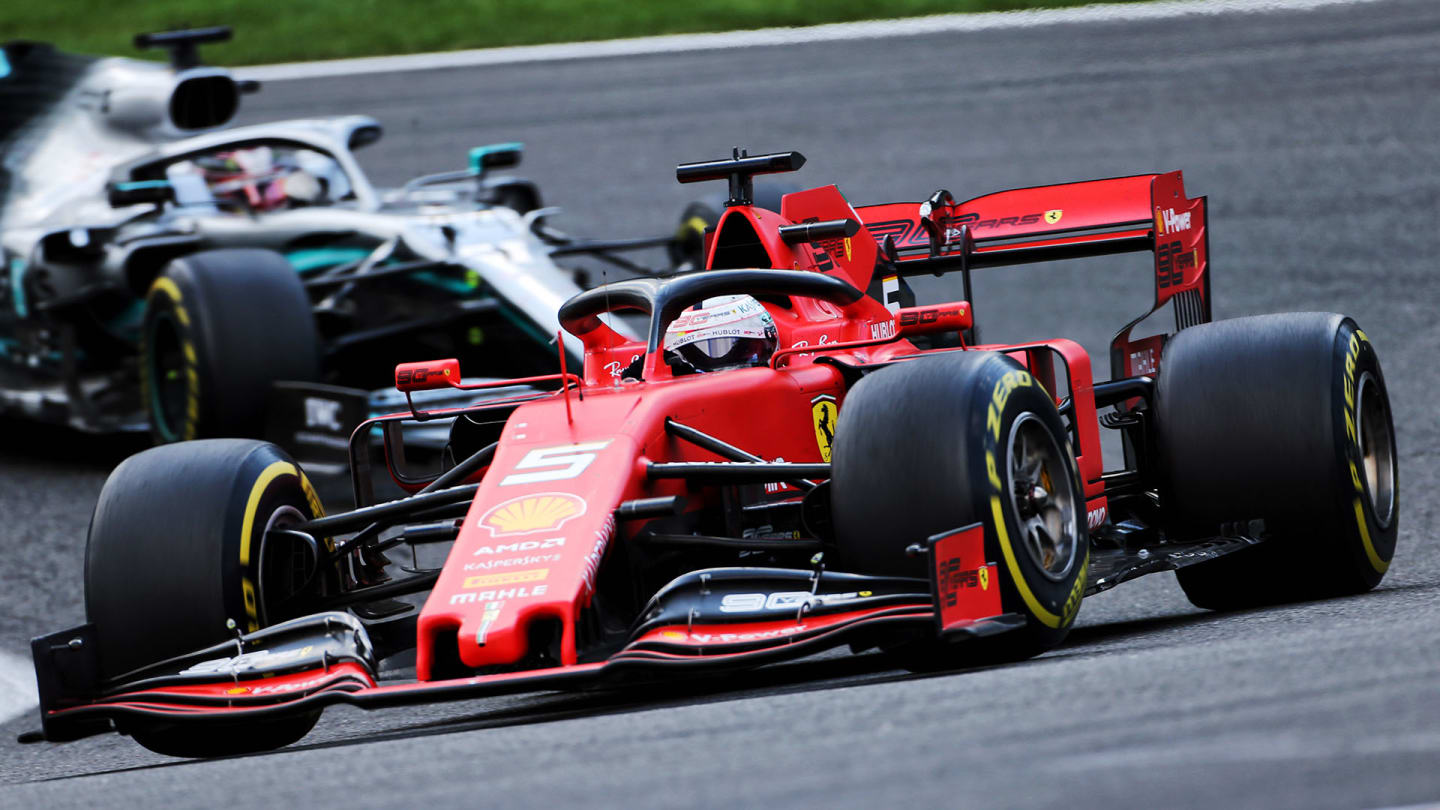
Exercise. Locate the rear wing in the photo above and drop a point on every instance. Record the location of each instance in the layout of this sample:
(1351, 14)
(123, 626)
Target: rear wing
(1145, 213)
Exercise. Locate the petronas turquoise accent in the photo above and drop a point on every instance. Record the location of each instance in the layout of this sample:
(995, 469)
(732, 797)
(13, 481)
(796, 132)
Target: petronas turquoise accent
(453, 285)
(311, 259)
(17, 286)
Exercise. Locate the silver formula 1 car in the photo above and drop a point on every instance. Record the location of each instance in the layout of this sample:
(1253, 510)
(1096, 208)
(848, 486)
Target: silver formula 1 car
(159, 273)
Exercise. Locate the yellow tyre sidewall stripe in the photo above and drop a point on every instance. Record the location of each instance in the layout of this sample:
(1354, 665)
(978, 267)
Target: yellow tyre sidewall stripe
(1380, 564)
(257, 491)
(164, 286)
(249, 595)
(1017, 577)
(1000, 393)
(275, 470)
(1352, 353)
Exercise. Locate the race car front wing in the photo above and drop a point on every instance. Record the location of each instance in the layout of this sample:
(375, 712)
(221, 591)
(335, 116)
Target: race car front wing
(710, 620)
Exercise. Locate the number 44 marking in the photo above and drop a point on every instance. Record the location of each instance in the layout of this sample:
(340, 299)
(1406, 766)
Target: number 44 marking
(554, 463)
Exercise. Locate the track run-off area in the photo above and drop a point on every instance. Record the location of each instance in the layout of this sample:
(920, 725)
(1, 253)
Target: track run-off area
(1310, 126)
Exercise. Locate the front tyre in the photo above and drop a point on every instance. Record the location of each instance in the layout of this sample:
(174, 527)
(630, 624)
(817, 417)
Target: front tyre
(177, 546)
(939, 443)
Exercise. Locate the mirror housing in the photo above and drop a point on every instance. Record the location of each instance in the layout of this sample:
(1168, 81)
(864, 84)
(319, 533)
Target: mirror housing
(495, 156)
(954, 316)
(428, 375)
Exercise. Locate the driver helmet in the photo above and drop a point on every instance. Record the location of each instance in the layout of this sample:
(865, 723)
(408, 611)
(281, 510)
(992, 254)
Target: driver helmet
(258, 179)
(731, 331)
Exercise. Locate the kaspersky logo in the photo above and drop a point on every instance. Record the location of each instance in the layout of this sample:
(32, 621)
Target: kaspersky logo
(545, 511)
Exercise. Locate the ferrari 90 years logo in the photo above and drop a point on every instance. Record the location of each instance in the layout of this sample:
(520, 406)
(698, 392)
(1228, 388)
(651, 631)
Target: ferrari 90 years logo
(824, 410)
(532, 513)
(1053, 215)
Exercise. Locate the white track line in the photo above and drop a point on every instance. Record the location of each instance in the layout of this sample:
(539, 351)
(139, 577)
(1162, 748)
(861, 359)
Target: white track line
(836, 32)
(17, 686)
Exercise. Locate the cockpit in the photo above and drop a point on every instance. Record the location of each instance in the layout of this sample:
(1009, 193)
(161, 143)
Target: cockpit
(259, 178)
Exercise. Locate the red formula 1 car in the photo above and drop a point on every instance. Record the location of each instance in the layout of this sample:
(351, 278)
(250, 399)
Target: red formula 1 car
(794, 458)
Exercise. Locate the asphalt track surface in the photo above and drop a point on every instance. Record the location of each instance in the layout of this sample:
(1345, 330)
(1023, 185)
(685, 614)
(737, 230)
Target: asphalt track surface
(1314, 135)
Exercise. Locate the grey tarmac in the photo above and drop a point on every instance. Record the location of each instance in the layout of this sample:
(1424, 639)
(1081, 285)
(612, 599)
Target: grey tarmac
(1314, 133)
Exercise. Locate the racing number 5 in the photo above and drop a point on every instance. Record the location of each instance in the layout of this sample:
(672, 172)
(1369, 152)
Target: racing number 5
(554, 463)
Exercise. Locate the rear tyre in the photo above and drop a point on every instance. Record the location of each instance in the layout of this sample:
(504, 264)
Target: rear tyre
(177, 546)
(1283, 418)
(939, 443)
(220, 327)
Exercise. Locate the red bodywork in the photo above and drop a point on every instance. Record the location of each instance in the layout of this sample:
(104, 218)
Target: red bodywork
(543, 521)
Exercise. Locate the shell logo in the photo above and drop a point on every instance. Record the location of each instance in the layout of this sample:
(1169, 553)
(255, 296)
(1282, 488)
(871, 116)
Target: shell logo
(532, 513)
(672, 635)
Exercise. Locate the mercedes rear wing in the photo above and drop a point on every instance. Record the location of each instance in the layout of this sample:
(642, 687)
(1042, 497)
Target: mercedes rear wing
(1144, 213)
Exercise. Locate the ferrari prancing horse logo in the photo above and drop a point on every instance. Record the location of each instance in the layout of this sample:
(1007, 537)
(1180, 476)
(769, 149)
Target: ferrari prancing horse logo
(1053, 216)
(824, 410)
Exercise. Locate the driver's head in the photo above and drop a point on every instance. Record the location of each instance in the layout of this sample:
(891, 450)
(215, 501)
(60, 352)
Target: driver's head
(259, 179)
(732, 331)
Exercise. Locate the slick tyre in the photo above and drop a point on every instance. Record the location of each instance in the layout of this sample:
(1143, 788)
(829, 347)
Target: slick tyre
(219, 328)
(1281, 418)
(939, 443)
(177, 546)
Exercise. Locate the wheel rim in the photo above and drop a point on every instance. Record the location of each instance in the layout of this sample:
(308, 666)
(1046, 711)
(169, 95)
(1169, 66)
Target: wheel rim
(285, 567)
(1041, 498)
(1377, 448)
(169, 387)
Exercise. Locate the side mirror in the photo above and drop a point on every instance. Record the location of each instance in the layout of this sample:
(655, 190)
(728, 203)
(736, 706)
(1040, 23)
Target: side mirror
(935, 318)
(495, 156)
(427, 376)
(140, 191)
